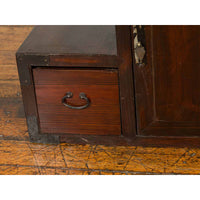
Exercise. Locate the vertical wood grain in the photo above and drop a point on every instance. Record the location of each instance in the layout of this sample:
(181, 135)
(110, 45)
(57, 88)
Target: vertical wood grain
(126, 81)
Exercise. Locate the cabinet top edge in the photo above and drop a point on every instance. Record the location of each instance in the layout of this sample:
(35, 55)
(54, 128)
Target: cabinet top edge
(70, 40)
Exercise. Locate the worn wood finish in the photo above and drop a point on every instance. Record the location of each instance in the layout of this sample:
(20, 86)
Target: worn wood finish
(29, 97)
(8, 43)
(102, 117)
(167, 89)
(19, 156)
(7, 57)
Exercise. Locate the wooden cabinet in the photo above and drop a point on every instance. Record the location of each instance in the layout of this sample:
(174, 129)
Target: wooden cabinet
(140, 84)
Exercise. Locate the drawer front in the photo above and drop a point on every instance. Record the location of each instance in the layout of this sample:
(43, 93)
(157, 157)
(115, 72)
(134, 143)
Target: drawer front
(99, 112)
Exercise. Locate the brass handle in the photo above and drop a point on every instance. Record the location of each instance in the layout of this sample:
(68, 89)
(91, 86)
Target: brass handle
(81, 95)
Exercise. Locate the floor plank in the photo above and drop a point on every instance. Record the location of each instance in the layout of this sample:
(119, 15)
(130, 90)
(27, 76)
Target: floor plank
(24, 156)
(9, 72)
(11, 37)
(9, 88)
(7, 57)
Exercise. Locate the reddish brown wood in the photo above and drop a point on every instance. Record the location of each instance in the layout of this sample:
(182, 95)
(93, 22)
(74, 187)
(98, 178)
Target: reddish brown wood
(102, 117)
(84, 61)
(126, 81)
(167, 88)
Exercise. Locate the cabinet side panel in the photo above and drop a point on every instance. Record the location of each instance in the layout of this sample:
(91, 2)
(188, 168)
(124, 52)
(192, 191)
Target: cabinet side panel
(126, 81)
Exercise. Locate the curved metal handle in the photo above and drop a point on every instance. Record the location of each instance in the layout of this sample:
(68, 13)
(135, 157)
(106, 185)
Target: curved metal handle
(81, 95)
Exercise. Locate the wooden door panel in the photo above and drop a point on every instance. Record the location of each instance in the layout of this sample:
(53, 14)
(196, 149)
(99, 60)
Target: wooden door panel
(167, 88)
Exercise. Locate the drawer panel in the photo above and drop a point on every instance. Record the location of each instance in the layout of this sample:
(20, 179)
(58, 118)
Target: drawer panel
(101, 117)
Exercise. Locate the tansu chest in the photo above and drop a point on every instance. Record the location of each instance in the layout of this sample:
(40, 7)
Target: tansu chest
(112, 85)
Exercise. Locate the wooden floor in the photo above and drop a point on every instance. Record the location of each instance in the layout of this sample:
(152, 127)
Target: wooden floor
(19, 156)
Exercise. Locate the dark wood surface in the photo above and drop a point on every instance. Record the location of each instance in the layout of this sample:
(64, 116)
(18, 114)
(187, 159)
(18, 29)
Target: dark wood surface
(69, 40)
(126, 81)
(167, 88)
(102, 117)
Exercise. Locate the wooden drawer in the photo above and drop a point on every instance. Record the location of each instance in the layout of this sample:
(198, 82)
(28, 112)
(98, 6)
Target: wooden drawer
(101, 117)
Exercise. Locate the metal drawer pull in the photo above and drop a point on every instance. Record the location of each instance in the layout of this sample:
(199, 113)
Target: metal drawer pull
(70, 95)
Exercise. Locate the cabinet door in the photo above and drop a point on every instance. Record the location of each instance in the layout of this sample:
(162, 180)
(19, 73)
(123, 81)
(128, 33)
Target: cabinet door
(167, 87)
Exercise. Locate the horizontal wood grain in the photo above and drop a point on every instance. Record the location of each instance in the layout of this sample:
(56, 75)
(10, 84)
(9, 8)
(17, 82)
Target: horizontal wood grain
(69, 76)
(29, 170)
(13, 122)
(10, 88)
(102, 117)
(27, 158)
(11, 37)
(9, 72)
(85, 61)
(7, 57)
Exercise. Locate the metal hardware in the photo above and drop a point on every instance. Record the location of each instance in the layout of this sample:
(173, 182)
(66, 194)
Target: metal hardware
(81, 95)
(139, 42)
